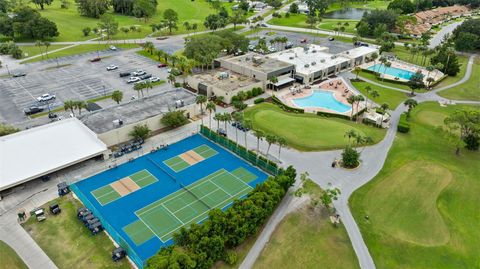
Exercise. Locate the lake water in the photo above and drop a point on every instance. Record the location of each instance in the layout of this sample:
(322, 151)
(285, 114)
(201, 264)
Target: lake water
(347, 14)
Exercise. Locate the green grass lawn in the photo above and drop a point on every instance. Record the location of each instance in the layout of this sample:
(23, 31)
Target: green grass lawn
(9, 259)
(307, 239)
(80, 49)
(70, 23)
(469, 90)
(423, 205)
(307, 132)
(391, 97)
(375, 4)
(69, 243)
(298, 20)
(29, 51)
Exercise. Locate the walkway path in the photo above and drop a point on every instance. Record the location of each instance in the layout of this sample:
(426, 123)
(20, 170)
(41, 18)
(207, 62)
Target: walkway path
(444, 30)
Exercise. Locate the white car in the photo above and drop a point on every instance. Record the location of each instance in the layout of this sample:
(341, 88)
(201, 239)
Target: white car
(133, 79)
(46, 97)
(139, 73)
(112, 47)
(154, 79)
(112, 67)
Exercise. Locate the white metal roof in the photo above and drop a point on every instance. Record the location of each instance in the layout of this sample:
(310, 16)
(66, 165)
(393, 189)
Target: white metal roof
(42, 150)
(314, 59)
(358, 51)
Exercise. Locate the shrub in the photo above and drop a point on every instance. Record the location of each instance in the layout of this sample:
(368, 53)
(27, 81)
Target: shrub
(230, 257)
(239, 105)
(285, 107)
(333, 115)
(350, 157)
(403, 125)
(174, 118)
(178, 84)
(259, 100)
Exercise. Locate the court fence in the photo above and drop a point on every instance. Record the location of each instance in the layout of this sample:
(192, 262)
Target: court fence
(111, 231)
(248, 155)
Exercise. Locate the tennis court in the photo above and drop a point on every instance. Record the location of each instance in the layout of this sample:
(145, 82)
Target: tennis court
(143, 202)
(190, 204)
(190, 157)
(124, 186)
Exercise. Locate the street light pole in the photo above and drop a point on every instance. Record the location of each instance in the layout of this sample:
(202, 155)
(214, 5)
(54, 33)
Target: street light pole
(8, 70)
(104, 92)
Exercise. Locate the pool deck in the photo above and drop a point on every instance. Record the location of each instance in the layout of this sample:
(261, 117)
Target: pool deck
(340, 89)
(435, 74)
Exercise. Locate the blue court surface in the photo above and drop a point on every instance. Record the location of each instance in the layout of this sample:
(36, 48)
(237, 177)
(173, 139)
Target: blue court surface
(185, 181)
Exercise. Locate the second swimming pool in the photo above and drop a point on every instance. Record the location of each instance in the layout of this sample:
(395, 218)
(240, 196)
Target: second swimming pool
(322, 99)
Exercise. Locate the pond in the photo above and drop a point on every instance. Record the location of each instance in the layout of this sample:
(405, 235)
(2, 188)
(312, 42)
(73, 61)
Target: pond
(346, 14)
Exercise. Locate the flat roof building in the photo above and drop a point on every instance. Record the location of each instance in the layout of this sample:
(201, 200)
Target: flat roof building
(42, 150)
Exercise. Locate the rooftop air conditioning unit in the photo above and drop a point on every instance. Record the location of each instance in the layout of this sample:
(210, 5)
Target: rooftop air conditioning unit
(290, 58)
(313, 51)
(347, 52)
(333, 57)
(322, 60)
(313, 63)
(306, 65)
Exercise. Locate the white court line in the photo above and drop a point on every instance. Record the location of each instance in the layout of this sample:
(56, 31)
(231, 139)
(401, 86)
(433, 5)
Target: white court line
(172, 214)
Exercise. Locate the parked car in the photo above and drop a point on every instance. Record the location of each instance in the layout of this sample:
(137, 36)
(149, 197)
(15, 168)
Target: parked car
(160, 65)
(133, 79)
(32, 110)
(97, 59)
(331, 38)
(154, 79)
(124, 74)
(46, 97)
(264, 25)
(289, 45)
(112, 67)
(222, 132)
(303, 40)
(146, 76)
(139, 72)
(271, 49)
(251, 47)
(16, 75)
(162, 38)
(112, 47)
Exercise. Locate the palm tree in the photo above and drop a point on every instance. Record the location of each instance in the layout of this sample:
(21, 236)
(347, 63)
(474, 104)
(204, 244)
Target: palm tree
(46, 44)
(374, 57)
(200, 100)
(357, 70)
(69, 104)
(271, 139)
(186, 65)
(350, 134)
(430, 80)
(117, 96)
(410, 103)
(351, 100)
(227, 118)
(259, 135)
(366, 140)
(368, 89)
(148, 46)
(382, 60)
(374, 94)
(138, 88)
(384, 107)
(210, 107)
(281, 143)
(39, 44)
(79, 105)
(187, 26)
(194, 27)
(159, 54)
(147, 85)
(273, 80)
(237, 117)
(248, 125)
(171, 78)
(387, 65)
(358, 99)
(218, 118)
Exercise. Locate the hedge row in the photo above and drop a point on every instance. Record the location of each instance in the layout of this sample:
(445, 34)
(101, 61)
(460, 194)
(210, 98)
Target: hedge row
(403, 124)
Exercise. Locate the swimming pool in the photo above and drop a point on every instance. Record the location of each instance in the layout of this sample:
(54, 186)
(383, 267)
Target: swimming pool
(392, 71)
(322, 99)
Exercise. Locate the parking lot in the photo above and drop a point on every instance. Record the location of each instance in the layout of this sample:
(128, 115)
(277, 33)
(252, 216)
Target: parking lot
(76, 78)
(295, 38)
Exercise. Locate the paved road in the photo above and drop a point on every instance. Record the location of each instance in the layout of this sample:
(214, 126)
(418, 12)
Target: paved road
(445, 30)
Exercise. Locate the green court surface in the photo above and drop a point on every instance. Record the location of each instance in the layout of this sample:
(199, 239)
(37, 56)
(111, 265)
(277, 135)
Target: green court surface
(190, 204)
(177, 164)
(107, 194)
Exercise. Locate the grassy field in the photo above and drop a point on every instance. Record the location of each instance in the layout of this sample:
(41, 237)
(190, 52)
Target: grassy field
(423, 205)
(391, 97)
(307, 132)
(375, 4)
(68, 243)
(80, 49)
(29, 51)
(469, 90)
(298, 20)
(307, 239)
(70, 23)
(9, 259)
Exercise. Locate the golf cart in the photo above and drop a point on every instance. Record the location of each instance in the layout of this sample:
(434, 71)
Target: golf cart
(40, 214)
(118, 254)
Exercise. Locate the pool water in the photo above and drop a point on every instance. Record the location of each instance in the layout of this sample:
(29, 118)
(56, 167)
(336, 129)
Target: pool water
(392, 71)
(322, 99)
